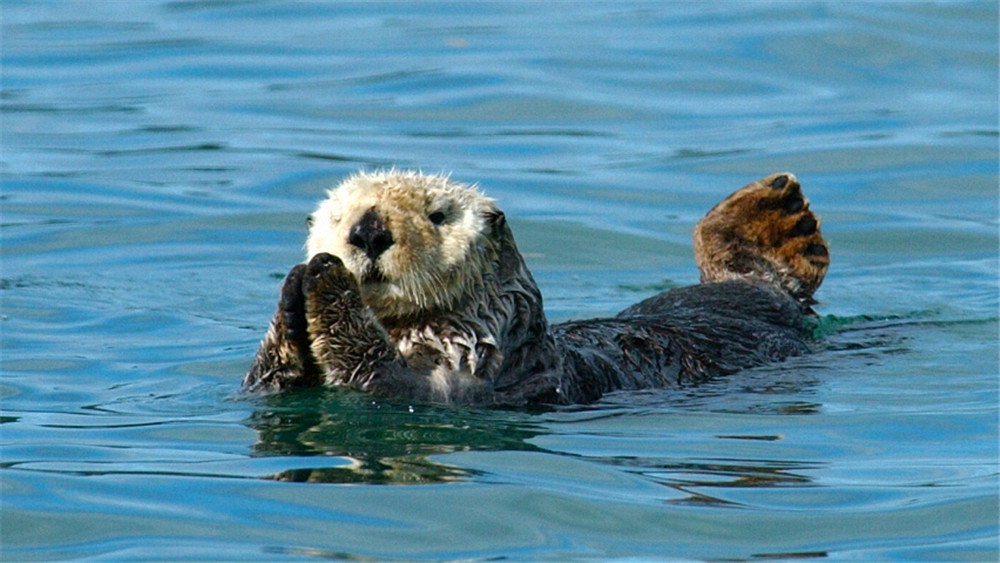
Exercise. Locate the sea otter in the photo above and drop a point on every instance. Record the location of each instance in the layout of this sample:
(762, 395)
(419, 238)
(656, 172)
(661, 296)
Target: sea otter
(414, 289)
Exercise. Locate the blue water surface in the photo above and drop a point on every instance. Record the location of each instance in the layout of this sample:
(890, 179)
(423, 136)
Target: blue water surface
(159, 159)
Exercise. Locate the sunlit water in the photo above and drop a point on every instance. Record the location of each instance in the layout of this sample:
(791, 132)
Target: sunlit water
(159, 159)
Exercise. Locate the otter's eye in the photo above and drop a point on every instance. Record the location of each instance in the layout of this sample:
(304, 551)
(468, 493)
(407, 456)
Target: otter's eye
(309, 221)
(438, 217)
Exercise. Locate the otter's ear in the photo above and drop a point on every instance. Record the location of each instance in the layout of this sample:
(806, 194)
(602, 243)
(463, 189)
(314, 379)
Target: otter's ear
(498, 230)
(510, 264)
(496, 220)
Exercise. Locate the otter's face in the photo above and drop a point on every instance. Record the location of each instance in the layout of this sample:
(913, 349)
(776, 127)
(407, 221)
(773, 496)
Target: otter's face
(414, 242)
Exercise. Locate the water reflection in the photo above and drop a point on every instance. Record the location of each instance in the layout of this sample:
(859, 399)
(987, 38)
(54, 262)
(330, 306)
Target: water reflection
(380, 442)
(357, 439)
(696, 479)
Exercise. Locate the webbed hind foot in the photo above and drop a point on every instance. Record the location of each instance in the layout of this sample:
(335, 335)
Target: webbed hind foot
(764, 230)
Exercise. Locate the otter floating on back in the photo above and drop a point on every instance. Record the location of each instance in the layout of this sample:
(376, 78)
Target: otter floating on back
(414, 289)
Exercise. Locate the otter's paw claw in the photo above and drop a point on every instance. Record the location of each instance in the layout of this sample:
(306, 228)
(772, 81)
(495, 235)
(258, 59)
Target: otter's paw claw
(766, 230)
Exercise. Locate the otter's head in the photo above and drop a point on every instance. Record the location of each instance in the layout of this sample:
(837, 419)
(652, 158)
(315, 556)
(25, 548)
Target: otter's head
(416, 243)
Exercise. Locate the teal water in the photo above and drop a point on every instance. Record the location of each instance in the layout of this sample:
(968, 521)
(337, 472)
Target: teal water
(159, 158)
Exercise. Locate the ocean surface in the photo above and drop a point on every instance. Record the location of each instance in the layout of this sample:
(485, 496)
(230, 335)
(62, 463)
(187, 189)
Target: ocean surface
(159, 159)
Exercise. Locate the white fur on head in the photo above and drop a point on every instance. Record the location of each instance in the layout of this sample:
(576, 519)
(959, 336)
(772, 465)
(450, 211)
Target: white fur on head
(439, 228)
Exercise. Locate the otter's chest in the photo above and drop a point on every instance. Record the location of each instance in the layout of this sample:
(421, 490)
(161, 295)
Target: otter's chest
(455, 361)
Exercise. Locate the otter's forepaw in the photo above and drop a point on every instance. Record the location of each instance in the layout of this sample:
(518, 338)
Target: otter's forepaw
(292, 307)
(764, 230)
(284, 358)
(347, 341)
(330, 290)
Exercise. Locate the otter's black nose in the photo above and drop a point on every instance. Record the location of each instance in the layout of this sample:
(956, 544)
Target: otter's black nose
(371, 235)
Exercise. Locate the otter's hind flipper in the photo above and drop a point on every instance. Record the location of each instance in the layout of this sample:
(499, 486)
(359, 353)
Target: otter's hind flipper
(764, 230)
